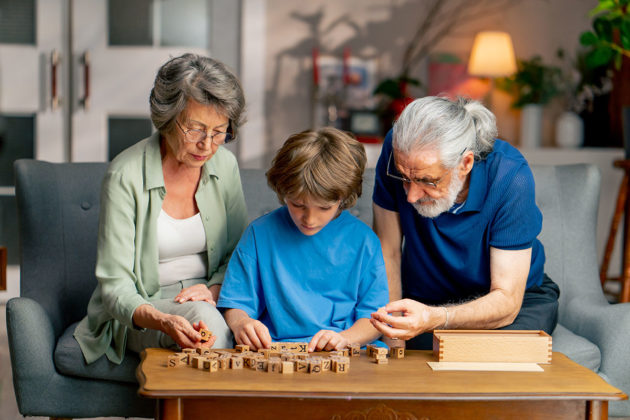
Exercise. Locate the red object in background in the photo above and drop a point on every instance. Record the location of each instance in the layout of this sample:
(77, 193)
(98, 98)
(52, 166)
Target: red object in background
(369, 139)
(346, 66)
(397, 106)
(315, 67)
(452, 79)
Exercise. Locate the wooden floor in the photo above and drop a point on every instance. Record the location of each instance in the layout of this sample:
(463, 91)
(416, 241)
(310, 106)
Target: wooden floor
(8, 406)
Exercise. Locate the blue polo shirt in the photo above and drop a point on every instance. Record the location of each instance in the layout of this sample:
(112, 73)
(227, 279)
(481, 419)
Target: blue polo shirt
(447, 258)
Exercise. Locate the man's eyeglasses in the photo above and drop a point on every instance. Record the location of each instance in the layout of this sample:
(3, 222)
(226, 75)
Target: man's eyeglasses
(195, 135)
(421, 182)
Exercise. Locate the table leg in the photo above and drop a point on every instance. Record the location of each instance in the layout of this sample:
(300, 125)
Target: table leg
(597, 410)
(170, 409)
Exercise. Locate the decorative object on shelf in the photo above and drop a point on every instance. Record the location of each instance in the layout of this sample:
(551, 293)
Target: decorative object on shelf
(341, 85)
(492, 56)
(569, 130)
(531, 126)
(534, 83)
(365, 125)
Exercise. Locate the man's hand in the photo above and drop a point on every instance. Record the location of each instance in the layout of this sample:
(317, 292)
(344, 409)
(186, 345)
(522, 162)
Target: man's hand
(416, 318)
(327, 340)
(199, 292)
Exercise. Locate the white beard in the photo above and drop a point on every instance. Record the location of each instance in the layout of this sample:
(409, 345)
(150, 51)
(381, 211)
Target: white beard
(429, 207)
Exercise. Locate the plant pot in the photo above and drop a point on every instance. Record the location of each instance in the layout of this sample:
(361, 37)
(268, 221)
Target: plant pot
(569, 130)
(531, 126)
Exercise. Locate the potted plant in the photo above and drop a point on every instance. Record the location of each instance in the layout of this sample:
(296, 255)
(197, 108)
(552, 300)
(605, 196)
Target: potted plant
(533, 85)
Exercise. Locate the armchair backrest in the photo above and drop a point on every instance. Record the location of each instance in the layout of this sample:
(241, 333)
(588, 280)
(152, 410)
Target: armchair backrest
(568, 196)
(58, 208)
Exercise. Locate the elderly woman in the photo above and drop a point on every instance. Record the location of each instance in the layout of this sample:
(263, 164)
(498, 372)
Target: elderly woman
(172, 212)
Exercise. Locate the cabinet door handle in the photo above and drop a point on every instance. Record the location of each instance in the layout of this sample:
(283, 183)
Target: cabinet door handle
(85, 61)
(54, 89)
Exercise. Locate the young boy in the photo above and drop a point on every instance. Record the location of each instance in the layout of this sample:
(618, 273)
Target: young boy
(308, 271)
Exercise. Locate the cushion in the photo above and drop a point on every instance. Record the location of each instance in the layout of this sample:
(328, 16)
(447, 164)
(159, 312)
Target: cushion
(576, 348)
(69, 361)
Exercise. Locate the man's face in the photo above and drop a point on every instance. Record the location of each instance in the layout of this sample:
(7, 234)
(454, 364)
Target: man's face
(432, 189)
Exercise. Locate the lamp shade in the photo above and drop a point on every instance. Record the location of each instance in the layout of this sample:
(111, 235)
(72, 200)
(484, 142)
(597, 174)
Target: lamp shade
(492, 55)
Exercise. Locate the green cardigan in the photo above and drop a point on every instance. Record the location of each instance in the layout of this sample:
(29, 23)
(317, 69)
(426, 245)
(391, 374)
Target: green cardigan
(127, 253)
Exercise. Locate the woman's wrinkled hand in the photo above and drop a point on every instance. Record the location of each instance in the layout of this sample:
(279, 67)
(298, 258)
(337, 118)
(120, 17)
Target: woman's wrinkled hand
(199, 292)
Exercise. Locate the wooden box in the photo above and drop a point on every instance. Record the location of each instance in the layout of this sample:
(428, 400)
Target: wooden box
(492, 346)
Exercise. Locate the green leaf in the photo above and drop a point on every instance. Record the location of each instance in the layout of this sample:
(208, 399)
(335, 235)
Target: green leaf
(603, 29)
(600, 56)
(388, 87)
(604, 5)
(588, 38)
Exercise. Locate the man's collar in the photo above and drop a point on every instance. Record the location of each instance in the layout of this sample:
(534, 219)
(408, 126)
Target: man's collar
(476, 188)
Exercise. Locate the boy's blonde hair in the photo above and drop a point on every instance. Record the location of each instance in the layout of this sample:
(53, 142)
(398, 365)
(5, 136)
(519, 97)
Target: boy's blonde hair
(326, 164)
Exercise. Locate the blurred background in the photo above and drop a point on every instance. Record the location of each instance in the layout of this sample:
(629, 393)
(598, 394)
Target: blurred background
(75, 75)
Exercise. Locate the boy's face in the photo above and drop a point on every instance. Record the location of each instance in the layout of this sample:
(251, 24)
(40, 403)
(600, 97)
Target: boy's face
(310, 215)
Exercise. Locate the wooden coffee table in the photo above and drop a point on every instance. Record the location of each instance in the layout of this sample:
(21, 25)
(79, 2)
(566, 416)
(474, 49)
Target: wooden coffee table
(403, 389)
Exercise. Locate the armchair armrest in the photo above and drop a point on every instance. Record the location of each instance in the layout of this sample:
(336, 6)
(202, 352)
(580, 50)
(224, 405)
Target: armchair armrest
(32, 345)
(608, 327)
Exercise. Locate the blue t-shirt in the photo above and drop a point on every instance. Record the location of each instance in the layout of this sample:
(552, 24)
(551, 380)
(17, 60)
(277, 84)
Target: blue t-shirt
(447, 258)
(298, 284)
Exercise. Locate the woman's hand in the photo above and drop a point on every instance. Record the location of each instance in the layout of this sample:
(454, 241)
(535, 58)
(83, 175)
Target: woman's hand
(199, 292)
(251, 332)
(184, 334)
(327, 340)
(416, 318)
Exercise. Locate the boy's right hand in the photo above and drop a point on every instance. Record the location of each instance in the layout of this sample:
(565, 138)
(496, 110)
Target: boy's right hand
(252, 333)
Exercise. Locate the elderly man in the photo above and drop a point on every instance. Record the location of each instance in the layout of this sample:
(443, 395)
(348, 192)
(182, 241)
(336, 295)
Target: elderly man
(456, 214)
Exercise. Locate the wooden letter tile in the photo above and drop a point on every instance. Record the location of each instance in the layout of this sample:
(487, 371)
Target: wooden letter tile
(397, 352)
(241, 348)
(236, 363)
(205, 335)
(288, 367)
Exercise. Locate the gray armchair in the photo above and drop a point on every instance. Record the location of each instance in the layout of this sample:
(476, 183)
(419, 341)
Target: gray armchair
(58, 213)
(590, 331)
(58, 206)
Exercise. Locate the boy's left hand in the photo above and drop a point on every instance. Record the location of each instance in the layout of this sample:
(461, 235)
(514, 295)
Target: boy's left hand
(327, 340)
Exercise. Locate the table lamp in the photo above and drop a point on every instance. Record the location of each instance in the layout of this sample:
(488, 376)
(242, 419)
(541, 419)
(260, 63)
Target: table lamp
(492, 56)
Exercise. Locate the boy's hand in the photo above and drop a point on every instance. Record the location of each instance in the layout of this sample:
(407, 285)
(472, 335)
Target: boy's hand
(327, 340)
(252, 333)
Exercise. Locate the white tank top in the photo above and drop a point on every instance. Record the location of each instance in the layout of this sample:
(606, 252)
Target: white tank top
(182, 249)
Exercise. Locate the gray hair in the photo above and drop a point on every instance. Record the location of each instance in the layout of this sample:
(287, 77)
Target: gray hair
(451, 127)
(201, 79)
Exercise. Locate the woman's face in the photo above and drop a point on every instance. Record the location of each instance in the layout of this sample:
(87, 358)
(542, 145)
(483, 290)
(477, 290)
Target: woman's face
(195, 117)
